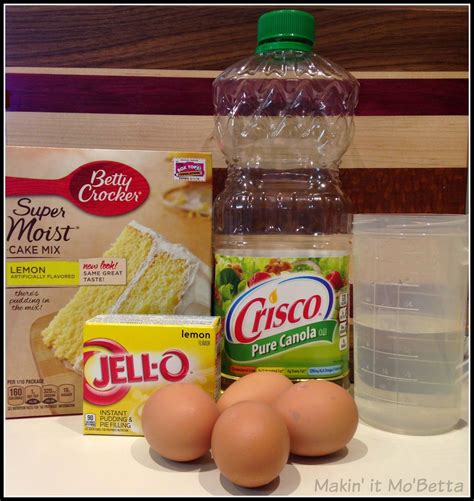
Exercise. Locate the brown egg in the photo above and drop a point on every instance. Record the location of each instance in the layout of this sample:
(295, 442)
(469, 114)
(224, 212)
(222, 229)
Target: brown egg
(177, 421)
(261, 386)
(250, 444)
(321, 417)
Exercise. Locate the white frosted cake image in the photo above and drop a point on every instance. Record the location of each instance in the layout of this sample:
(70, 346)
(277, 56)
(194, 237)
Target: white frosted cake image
(162, 278)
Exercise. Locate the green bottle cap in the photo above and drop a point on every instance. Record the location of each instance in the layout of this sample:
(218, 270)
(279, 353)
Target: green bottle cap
(285, 29)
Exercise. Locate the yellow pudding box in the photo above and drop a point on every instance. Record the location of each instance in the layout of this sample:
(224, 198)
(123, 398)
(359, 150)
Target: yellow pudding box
(129, 357)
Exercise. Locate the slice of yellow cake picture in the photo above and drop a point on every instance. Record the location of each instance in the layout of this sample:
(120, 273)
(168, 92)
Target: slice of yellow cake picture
(162, 278)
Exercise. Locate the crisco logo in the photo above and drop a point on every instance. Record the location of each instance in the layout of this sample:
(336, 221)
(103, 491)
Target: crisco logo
(110, 370)
(277, 305)
(107, 188)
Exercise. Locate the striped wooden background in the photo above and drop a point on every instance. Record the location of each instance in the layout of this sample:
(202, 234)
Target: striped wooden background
(82, 77)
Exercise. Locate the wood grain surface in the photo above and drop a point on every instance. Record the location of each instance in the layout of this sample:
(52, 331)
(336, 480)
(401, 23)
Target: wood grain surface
(193, 96)
(379, 142)
(410, 191)
(381, 170)
(134, 72)
(212, 37)
(119, 77)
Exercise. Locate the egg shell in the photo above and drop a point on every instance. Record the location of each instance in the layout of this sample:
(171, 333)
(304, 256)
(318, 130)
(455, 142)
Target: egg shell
(177, 421)
(250, 444)
(260, 386)
(321, 417)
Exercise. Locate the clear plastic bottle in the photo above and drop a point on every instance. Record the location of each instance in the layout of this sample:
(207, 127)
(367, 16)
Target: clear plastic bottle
(283, 119)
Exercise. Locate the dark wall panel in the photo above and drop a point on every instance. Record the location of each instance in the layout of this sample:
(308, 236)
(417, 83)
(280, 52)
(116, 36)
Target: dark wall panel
(198, 38)
(410, 191)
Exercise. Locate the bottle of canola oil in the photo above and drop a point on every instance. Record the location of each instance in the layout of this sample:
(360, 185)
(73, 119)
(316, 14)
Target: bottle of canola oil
(283, 119)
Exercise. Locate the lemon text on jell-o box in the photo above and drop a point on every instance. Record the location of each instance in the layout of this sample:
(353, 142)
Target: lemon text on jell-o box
(128, 357)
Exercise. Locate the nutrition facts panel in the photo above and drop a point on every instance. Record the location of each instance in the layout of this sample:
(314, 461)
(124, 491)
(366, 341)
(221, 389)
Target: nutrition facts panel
(25, 396)
(35, 394)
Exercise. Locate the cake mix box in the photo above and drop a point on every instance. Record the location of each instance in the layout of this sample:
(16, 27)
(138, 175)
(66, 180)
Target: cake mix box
(92, 232)
(129, 357)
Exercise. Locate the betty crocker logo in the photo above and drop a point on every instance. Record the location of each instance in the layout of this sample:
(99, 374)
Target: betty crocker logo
(108, 188)
(116, 370)
(102, 188)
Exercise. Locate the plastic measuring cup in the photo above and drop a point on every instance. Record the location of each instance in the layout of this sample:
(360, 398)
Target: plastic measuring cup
(410, 300)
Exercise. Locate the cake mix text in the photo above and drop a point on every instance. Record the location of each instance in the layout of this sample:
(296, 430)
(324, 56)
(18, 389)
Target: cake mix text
(31, 224)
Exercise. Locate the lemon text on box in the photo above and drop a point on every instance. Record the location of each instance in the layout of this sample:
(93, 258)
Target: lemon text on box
(42, 273)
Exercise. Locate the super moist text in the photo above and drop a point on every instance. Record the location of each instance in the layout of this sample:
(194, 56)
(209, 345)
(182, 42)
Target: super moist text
(31, 224)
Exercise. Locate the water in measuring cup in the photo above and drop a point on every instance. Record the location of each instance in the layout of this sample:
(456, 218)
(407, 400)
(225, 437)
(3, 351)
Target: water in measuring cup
(407, 360)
